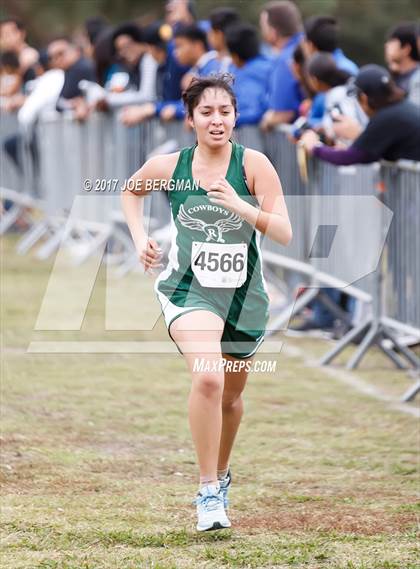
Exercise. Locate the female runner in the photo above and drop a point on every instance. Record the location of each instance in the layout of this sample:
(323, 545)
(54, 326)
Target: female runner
(212, 292)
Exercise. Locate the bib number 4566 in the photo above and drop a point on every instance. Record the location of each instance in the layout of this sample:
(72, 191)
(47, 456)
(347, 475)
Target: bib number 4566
(226, 262)
(219, 264)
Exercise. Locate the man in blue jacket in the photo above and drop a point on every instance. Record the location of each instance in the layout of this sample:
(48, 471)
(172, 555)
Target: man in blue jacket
(321, 34)
(281, 28)
(251, 70)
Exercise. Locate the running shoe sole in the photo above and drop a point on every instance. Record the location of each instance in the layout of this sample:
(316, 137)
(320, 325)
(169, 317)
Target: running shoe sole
(215, 526)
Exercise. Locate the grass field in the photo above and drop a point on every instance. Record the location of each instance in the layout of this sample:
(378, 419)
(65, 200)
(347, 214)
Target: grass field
(98, 469)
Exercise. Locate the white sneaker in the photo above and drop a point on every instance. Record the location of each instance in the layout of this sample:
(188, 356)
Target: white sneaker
(224, 487)
(210, 509)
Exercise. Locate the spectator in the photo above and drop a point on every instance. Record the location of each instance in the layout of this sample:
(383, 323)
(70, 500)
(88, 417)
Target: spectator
(13, 38)
(168, 77)
(321, 34)
(298, 67)
(220, 19)
(63, 54)
(403, 60)
(326, 78)
(281, 27)
(130, 48)
(94, 27)
(43, 96)
(10, 75)
(191, 49)
(183, 13)
(111, 74)
(251, 71)
(179, 12)
(393, 131)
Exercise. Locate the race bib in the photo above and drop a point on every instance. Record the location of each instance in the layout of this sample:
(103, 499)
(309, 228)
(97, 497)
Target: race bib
(219, 265)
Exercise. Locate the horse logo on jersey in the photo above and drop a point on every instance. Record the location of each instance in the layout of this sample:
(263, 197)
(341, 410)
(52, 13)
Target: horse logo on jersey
(213, 231)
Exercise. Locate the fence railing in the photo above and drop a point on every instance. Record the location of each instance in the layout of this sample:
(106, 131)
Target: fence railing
(340, 222)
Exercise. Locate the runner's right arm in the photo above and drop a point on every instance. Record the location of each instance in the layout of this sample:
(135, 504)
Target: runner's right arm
(158, 167)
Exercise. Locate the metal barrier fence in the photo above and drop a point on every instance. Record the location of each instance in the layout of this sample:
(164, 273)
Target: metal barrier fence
(402, 271)
(103, 149)
(9, 176)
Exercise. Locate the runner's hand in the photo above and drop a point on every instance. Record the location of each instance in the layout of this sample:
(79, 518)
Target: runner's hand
(222, 193)
(149, 254)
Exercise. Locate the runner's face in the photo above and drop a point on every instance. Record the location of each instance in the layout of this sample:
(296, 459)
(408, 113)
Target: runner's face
(214, 117)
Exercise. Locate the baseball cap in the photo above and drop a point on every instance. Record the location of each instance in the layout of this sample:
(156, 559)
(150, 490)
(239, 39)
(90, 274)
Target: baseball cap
(373, 80)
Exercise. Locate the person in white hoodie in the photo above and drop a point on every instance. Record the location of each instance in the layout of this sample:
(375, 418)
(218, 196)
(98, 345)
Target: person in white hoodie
(42, 98)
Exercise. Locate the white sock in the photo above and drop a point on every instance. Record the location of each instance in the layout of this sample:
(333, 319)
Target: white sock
(208, 482)
(222, 473)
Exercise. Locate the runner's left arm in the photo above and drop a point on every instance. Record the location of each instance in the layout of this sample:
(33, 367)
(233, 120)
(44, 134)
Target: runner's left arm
(272, 218)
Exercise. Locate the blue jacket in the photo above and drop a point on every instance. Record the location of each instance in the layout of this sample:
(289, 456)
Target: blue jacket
(208, 65)
(251, 89)
(318, 104)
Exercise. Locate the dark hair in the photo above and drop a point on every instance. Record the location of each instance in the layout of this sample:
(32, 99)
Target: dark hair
(129, 29)
(44, 60)
(221, 18)
(192, 94)
(18, 23)
(157, 34)
(242, 40)
(323, 66)
(322, 32)
(104, 54)
(94, 26)
(284, 17)
(298, 55)
(193, 33)
(406, 33)
(9, 59)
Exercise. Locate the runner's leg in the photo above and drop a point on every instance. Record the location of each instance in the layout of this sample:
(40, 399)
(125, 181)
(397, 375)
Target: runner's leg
(232, 410)
(198, 335)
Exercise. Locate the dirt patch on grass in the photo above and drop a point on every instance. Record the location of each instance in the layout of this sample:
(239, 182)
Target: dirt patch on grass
(324, 517)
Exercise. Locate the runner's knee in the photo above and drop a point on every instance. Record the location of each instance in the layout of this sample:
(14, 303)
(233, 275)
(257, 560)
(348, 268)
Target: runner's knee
(231, 400)
(209, 384)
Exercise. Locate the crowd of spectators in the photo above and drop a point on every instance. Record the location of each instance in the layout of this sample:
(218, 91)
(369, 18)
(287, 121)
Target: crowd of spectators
(287, 71)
